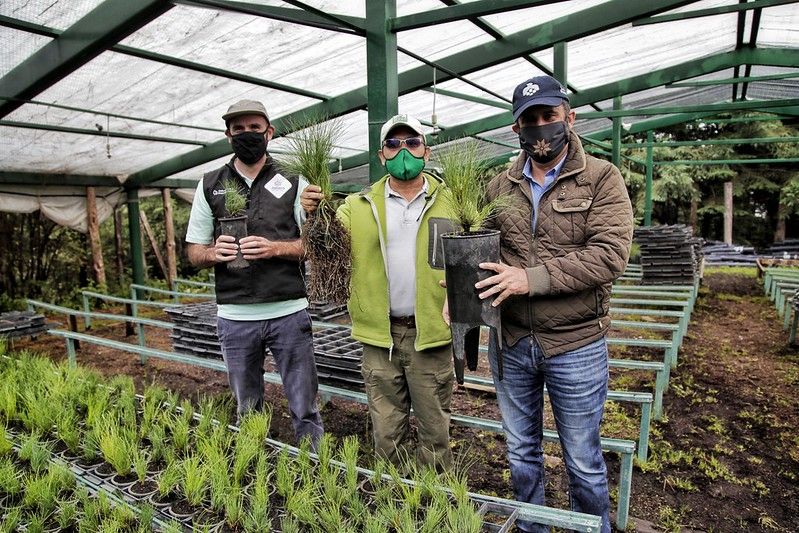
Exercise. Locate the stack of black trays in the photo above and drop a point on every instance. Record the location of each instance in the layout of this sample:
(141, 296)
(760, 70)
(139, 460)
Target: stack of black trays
(195, 330)
(787, 249)
(21, 324)
(338, 356)
(721, 254)
(326, 311)
(668, 255)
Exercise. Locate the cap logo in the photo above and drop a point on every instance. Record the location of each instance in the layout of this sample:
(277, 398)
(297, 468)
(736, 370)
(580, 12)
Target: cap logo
(530, 89)
(562, 90)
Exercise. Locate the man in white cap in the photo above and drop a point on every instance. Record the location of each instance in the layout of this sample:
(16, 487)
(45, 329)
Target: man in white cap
(395, 297)
(263, 305)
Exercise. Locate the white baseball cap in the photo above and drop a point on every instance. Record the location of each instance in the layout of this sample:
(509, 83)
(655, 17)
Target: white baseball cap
(400, 120)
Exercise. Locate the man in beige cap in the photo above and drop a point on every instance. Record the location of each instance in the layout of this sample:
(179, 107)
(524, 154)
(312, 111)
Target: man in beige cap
(262, 305)
(395, 297)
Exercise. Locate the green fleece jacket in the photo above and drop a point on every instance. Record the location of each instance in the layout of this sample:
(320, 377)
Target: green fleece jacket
(364, 215)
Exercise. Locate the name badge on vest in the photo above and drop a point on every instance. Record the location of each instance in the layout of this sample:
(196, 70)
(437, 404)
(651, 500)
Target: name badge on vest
(278, 185)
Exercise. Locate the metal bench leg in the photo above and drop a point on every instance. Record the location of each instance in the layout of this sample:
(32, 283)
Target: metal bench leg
(643, 432)
(661, 380)
(625, 485)
(71, 356)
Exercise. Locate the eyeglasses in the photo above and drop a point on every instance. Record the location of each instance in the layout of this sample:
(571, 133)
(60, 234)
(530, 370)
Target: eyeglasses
(411, 142)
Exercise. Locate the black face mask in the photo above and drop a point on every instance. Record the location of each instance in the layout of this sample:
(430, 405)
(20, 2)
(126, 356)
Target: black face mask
(249, 146)
(544, 143)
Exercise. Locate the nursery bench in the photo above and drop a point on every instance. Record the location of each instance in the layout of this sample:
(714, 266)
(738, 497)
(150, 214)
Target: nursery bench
(624, 448)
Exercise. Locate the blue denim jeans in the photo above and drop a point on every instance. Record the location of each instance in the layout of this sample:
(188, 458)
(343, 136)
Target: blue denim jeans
(290, 340)
(577, 383)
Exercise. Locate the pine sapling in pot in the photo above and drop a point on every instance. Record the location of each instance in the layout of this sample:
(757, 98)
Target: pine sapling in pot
(464, 170)
(326, 240)
(235, 224)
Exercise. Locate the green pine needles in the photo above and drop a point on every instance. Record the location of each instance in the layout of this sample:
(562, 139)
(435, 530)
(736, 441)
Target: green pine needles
(235, 199)
(327, 242)
(464, 169)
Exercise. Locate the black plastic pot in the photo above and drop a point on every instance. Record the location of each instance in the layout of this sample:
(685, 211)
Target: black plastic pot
(463, 252)
(235, 227)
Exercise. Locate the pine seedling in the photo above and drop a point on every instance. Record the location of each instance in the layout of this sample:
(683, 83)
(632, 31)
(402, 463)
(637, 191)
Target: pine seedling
(284, 474)
(235, 198)
(180, 434)
(464, 171)
(10, 477)
(348, 454)
(234, 508)
(11, 520)
(255, 426)
(5, 443)
(118, 446)
(247, 450)
(68, 431)
(141, 461)
(67, 513)
(169, 479)
(195, 480)
(8, 401)
(326, 240)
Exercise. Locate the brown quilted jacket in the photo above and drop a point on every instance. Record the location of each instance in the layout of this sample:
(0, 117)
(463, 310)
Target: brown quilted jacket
(582, 243)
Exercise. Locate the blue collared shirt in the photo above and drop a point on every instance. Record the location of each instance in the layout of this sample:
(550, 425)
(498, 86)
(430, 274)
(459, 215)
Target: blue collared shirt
(536, 190)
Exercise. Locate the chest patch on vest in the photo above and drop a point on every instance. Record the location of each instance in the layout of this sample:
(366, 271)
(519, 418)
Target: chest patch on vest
(278, 185)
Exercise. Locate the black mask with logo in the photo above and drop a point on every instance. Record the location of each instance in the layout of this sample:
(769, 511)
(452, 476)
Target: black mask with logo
(544, 143)
(249, 146)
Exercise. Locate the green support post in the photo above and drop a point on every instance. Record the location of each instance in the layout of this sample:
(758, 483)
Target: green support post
(561, 63)
(134, 234)
(87, 308)
(616, 157)
(381, 73)
(650, 137)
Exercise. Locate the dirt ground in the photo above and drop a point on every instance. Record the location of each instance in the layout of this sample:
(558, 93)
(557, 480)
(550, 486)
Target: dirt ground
(724, 458)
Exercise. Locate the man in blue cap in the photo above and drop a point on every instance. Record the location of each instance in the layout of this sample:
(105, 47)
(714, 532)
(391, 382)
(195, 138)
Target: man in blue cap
(564, 242)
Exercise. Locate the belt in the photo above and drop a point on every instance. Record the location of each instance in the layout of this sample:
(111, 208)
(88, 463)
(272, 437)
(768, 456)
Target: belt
(407, 321)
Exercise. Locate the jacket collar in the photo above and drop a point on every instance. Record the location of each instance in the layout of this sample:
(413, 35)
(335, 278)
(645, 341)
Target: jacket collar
(574, 164)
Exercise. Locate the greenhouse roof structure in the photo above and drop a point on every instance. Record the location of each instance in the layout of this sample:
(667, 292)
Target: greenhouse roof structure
(125, 94)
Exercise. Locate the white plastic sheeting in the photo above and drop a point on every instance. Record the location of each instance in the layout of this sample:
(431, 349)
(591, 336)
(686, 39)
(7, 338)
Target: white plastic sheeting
(324, 62)
(65, 206)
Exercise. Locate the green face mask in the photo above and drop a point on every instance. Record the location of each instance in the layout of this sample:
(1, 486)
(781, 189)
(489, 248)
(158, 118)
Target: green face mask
(405, 166)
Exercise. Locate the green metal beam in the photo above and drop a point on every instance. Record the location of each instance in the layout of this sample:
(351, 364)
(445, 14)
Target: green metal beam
(652, 124)
(713, 142)
(650, 138)
(755, 4)
(616, 144)
(715, 108)
(561, 63)
(115, 115)
(459, 12)
(174, 61)
(97, 133)
(304, 17)
(775, 161)
(174, 183)
(33, 178)
(470, 98)
(726, 81)
(381, 74)
(518, 44)
(134, 236)
(756, 16)
(735, 120)
(207, 69)
(104, 26)
(30, 27)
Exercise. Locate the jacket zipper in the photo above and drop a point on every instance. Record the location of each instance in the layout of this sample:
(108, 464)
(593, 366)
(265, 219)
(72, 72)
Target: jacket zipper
(385, 268)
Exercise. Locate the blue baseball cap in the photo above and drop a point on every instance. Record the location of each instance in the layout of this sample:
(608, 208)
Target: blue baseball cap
(539, 90)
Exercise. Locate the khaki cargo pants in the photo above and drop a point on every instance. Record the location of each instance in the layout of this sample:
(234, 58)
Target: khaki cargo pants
(422, 380)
